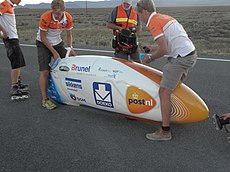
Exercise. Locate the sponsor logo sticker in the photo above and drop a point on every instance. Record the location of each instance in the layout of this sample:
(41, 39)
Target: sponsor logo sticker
(117, 71)
(80, 68)
(75, 98)
(73, 83)
(64, 68)
(139, 101)
(103, 94)
(103, 70)
(112, 76)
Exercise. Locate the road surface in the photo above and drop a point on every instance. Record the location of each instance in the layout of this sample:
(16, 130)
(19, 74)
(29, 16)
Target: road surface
(76, 139)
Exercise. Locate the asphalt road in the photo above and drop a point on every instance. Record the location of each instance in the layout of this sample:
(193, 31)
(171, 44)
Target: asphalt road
(75, 139)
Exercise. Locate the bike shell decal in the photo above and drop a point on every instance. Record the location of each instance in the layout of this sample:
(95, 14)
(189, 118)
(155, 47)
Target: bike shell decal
(52, 90)
(138, 101)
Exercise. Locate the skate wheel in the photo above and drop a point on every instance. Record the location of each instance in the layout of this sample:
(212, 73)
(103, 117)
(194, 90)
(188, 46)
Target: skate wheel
(15, 98)
(25, 97)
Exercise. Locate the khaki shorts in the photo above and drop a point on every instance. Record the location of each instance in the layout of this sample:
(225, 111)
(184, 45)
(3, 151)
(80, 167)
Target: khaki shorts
(176, 70)
(45, 55)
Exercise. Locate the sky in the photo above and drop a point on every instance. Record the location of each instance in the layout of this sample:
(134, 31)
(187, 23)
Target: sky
(23, 2)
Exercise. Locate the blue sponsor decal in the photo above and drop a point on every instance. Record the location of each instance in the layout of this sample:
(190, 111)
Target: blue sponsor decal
(73, 83)
(52, 90)
(103, 94)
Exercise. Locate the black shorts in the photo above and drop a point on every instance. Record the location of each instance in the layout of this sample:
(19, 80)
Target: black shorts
(14, 53)
(45, 55)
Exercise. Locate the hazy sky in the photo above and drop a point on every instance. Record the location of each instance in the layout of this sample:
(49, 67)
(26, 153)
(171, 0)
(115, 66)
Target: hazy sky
(23, 2)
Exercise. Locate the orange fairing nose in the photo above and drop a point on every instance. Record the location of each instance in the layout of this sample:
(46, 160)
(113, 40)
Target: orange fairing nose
(187, 106)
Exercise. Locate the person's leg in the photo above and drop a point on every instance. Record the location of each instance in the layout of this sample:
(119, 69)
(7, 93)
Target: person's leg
(165, 99)
(43, 82)
(171, 77)
(14, 81)
(44, 58)
(164, 132)
(16, 58)
(15, 73)
(174, 72)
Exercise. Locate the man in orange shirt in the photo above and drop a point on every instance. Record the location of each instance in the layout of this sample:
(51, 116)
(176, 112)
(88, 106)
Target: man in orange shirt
(124, 17)
(173, 41)
(50, 45)
(10, 38)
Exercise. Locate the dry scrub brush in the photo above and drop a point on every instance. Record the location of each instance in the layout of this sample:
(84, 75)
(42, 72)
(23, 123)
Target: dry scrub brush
(208, 27)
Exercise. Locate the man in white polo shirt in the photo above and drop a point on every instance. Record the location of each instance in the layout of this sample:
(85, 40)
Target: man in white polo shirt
(171, 40)
(10, 38)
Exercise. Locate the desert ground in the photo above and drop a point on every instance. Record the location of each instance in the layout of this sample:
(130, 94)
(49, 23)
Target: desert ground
(208, 27)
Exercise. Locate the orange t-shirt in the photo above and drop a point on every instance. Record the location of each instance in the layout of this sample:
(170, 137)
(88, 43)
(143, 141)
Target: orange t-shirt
(53, 27)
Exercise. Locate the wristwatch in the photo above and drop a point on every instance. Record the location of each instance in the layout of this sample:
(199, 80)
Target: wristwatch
(150, 57)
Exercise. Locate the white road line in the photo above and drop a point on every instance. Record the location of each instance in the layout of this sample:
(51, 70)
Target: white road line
(210, 59)
(102, 51)
(105, 51)
(80, 49)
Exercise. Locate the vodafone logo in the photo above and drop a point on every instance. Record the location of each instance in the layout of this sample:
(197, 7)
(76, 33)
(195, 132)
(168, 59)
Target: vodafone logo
(138, 101)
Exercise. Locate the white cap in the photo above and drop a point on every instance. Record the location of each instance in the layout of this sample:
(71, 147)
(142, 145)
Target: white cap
(128, 1)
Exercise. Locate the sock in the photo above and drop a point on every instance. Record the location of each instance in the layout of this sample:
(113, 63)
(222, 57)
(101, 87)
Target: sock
(165, 128)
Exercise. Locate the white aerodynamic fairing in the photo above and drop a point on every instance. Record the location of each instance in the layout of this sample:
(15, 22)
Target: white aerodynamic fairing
(119, 86)
(104, 83)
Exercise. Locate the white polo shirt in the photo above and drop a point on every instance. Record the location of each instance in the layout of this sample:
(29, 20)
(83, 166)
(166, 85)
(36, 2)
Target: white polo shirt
(174, 33)
(7, 18)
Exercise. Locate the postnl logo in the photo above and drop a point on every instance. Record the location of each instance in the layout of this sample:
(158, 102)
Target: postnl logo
(138, 101)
